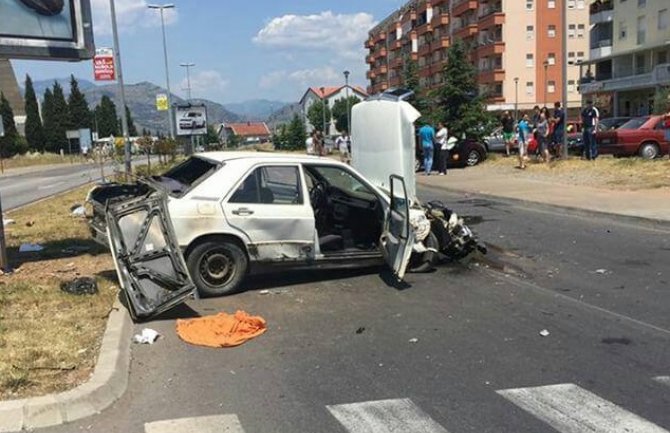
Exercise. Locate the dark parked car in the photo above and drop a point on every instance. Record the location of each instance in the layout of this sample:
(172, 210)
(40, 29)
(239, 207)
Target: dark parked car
(641, 136)
(466, 153)
(576, 139)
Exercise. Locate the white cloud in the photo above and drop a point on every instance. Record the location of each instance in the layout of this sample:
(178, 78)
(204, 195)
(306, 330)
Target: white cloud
(130, 14)
(341, 34)
(302, 78)
(208, 84)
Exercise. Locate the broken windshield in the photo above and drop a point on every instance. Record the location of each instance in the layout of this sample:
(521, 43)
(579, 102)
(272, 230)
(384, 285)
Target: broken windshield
(178, 180)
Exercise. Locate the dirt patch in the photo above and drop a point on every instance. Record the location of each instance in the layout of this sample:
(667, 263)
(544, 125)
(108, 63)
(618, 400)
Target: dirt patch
(50, 339)
(604, 172)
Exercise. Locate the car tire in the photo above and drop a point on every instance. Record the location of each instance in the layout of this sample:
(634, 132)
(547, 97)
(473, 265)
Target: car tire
(217, 267)
(649, 151)
(473, 158)
(420, 263)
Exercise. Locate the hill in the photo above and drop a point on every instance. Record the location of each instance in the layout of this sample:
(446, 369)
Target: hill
(255, 109)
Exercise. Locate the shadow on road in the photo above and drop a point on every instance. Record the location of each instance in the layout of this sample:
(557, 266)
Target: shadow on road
(60, 249)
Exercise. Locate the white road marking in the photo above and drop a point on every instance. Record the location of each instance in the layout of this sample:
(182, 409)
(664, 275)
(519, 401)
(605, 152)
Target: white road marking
(52, 185)
(665, 380)
(385, 416)
(571, 409)
(202, 424)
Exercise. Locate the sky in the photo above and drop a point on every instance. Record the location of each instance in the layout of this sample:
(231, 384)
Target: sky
(260, 49)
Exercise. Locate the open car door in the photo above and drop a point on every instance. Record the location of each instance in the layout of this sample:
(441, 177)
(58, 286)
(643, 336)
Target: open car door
(397, 238)
(149, 263)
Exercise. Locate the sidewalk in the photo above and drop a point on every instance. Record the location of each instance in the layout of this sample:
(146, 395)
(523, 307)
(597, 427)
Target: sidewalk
(652, 204)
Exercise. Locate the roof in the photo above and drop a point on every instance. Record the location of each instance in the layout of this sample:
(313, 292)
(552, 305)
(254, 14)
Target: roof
(275, 156)
(329, 91)
(249, 129)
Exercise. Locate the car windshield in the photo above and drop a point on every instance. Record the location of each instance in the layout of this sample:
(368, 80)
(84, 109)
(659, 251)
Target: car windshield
(634, 123)
(179, 179)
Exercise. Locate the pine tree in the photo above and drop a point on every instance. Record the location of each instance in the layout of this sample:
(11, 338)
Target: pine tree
(410, 81)
(49, 121)
(61, 120)
(80, 114)
(34, 129)
(316, 115)
(340, 112)
(132, 129)
(105, 112)
(10, 143)
(460, 105)
(295, 133)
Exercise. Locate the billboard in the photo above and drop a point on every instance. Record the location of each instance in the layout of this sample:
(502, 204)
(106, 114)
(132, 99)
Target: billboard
(46, 29)
(191, 119)
(162, 102)
(103, 65)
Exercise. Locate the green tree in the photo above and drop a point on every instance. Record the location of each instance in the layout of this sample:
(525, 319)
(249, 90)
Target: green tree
(340, 112)
(662, 100)
(34, 128)
(459, 103)
(296, 133)
(212, 138)
(105, 113)
(316, 115)
(80, 114)
(11, 143)
(132, 129)
(410, 81)
(60, 121)
(279, 137)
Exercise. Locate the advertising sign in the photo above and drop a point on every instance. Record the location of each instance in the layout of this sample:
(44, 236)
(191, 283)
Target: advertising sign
(43, 30)
(161, 102)
(191, 119)
(103, 65)
(85, 142)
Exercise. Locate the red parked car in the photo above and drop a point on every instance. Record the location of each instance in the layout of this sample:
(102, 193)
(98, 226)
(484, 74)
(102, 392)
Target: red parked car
(641, 136)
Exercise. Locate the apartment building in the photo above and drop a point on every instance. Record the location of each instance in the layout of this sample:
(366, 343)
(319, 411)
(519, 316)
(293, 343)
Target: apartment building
(629, 55)
(515, 45)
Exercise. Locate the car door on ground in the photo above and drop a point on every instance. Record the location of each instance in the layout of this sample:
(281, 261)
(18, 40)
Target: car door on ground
(269, 206)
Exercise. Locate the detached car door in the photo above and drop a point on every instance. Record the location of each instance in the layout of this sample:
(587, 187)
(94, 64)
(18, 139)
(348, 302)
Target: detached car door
(270, 208)
(149, 263)
(398, 236)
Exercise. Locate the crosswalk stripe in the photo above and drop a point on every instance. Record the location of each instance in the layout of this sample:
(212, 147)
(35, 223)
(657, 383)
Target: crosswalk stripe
(571, 409)
(202, 424)
(385, 416)
(665, 380)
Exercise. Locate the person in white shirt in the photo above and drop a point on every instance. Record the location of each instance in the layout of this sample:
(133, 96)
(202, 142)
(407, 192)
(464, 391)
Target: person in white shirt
(441, 138)
(342, 144)
(309, 144)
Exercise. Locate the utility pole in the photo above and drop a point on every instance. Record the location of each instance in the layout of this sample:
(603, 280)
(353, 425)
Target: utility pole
(346, 81)
(161, 8)
(323, 111)
(122, 92)
(564, 72)
(516, 98)
(188, 67)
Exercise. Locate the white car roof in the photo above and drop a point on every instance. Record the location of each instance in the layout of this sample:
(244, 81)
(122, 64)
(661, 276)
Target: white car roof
(265, 156)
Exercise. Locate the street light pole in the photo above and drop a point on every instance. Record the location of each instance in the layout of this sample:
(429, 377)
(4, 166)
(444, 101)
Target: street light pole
(323, 110)
(122, 92)
(546, 65)
(188, 67)
(346, 81)
(516, 98)
(167, 72)
(564, 73)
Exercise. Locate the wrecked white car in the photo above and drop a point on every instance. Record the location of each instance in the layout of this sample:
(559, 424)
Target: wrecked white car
(216, 217)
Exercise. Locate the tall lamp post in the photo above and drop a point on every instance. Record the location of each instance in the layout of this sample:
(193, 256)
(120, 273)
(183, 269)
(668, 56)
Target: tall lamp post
(323, 110)
(546, 65)
(188, 67)
(516, 98)
(122, 91)
(346, 83)
(161, 8)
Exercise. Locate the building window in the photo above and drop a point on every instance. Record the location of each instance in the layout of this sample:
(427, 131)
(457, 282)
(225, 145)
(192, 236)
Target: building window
(551, 86)
(571, 86)
(580, 56)
(551, 4)
(580, 30)
(663, 19)
(641, 30)
(623, 30)
(529, 88)
(529, 60)
(580, 4)
(571, 58)
(530, 30)
(571, 4)
(571, 31)
(529, 5)
(551, 59)
(551, 31)
(641, 3)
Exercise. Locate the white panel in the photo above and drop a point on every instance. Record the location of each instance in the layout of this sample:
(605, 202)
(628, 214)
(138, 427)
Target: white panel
(203, 424)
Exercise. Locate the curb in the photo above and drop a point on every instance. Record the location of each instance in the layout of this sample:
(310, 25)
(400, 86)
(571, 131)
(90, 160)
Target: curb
(578, 211)
(107, 384)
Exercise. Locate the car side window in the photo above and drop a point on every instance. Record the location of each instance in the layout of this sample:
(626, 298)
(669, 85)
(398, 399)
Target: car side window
(270, 185)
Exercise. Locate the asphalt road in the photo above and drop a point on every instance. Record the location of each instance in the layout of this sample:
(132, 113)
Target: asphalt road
(340, 354)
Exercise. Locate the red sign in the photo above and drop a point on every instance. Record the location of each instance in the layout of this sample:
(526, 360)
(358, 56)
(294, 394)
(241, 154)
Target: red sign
(103, 66)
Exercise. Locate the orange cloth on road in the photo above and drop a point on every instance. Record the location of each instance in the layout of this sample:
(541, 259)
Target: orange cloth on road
(221, 330)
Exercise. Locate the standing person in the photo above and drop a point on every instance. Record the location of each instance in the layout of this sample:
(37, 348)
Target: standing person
(589, 125)
(524, 135)
(507, 122)
(441, 138)
(427, 137)
(559, 126)
(318, 143)
(342, 144)
(543, 137)
(309, 143)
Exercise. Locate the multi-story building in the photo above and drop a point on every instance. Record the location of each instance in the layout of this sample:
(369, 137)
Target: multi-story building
(630, 55)
(515, 45)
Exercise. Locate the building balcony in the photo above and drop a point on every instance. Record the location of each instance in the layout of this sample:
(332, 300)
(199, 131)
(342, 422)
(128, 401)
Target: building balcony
(380, 37)
(395, 45)
(466, 31)
(424, 28)
(369, 43)
(495, 98)
(492, 49)
(600, 49)
(601, 12)
(491, 76)
(491, 20)
(424, 49)
(425, 71)
(436, 68)
(370, 74)
(396, 81)
(440, 20)
(439, 43)
(370, 59)
(397, 62)
(659, 76)
(383, 69)
(463, 6)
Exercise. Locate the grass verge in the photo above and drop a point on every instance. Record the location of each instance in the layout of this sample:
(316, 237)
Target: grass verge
(50, 339)
(36, 159)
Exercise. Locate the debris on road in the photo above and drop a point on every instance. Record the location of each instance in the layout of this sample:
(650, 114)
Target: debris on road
(78, 211)
(8, 221)
(30, 223)
(264, 292)
(221, 330)
(413, 340)
(30, 248)
(80, 286)
(360, 330)
(148, 336)
(544, 333)
(601, 271)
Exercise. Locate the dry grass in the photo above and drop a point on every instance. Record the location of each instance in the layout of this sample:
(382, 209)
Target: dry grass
(29, 160)
(50, 339)
(604, 172)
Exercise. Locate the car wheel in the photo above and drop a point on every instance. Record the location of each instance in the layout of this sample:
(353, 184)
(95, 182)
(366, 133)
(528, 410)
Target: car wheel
(425, 262)
(649, 150)
(474, 158)
(217, 267)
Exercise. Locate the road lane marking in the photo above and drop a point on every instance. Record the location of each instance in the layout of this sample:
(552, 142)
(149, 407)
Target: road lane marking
(52, 185)
(385, 416)
(571, 409)
(665, 380)
(202, 424)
